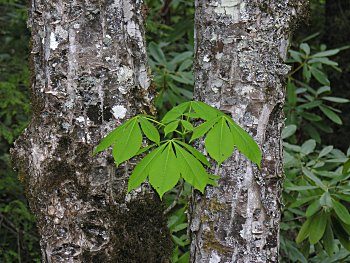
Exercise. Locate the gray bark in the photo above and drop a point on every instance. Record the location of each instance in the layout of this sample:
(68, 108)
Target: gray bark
(240, 49)
(89, 74)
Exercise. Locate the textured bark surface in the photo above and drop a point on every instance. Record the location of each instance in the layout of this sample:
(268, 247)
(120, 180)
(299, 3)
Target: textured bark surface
(89, 74)
(240, 48)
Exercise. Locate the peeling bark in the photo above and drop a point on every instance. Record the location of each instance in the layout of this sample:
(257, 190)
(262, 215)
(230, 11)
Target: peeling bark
(89, 74)
(240, 49)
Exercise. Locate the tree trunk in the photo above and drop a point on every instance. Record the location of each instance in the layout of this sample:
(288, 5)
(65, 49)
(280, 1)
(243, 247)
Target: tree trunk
(240, 48)
(89, 74)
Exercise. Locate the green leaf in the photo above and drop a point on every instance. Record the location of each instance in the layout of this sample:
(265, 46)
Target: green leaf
(175, 113)
(323, 60)
(288, 131)
(157, 53)
(213, 179)
(149, 130)
(346, 166)
(187, 125)
(331, 115)
(111, 137)
(343, 197)
(181, 78)
(328, 239)
(305, 47)
(185, 65)
(306, 73)
(295, 55)
(313, 208)
(205, 111)
(180, 242)
(326, 53)
(179, 227)
(171, 127)
(317, 227)
(310, 116)
(300, 201)
(314, 178)
(181, 57)
(291, 95)
(323, 90)
(141, 170)
(310, 105)
(341, 235)
(144, 149)
(308, 147)
(341, 212)
(128, 142)
(185, 258)
(335, 99)
(195, 153)
(304, 231)
(219, 142)
(164, 173)
(191, 169)
(325, 151)
(244, 143)
(326, 200)
(203, 128)
(320, 76)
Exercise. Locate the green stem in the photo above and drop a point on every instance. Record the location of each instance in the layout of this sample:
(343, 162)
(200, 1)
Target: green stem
(296, 69)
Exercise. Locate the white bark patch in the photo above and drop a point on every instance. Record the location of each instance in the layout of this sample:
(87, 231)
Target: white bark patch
(61, 32)
(214, 258)
(125, 78)
(229, 8)
(80, 119)
(206, 58)
(118, 111)
(143, 77)
(53, 42)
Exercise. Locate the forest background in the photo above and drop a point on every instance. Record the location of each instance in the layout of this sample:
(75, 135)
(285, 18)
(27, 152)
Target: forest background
(316, 221)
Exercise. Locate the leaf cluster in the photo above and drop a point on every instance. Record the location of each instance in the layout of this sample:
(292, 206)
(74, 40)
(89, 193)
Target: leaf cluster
(309, 98)
(173, 158)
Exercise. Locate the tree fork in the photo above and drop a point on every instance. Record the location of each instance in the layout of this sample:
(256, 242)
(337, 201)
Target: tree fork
(89, 74)
(239, 68)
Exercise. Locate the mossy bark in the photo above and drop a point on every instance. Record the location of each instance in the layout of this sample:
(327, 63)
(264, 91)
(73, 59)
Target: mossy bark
(239, 68)
(89, 75)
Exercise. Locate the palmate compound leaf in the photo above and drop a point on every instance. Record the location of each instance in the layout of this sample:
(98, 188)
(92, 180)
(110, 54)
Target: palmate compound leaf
(128, 142)
(149, 130)
(141, 171)
(191, 169)
(244, 143)
(164, 173)
(219, 141)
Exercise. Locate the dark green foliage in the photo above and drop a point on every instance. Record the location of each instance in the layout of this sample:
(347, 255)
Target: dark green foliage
(316, 221)
(19, 241)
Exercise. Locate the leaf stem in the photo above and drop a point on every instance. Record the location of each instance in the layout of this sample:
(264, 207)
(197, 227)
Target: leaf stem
(173, 204)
